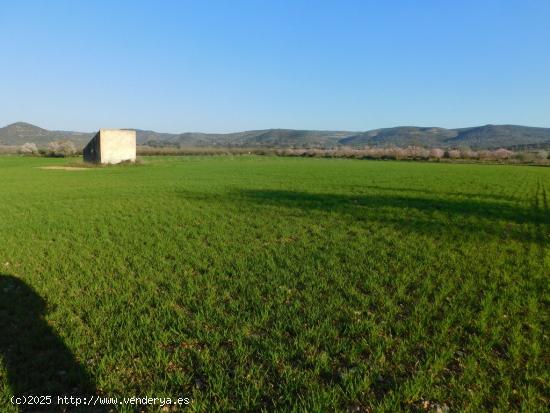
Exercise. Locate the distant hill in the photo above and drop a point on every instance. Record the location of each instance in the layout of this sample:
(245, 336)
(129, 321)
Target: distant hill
(401, 136)
(21, 132)
(479, 137)
(256, 138)
(501, 135)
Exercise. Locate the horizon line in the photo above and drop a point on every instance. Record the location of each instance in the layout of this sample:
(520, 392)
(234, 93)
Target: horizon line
(266, 129)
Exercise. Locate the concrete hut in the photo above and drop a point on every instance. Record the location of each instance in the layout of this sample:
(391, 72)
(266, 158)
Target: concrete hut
(110, 146)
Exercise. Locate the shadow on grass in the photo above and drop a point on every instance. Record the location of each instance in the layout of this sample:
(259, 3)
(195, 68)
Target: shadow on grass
(352, 204)
(429, 215)
(37, 361)
(490, 197)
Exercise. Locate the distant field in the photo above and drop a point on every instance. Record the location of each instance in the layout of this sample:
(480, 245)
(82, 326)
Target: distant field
(262, 283)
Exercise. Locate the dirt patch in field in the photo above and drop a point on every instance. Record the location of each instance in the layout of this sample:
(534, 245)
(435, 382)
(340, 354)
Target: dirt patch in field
(65, 168)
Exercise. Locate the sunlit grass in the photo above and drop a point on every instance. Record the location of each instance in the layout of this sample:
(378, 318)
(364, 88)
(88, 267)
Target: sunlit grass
(252, 283)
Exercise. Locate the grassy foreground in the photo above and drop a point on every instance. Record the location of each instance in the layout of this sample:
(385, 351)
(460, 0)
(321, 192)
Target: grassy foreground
(261, 283)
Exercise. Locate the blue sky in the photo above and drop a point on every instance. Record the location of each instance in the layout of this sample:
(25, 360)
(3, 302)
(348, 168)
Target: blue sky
(221, 66)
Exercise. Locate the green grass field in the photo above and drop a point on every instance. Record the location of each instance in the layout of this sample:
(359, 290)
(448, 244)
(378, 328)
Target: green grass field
(262, 283)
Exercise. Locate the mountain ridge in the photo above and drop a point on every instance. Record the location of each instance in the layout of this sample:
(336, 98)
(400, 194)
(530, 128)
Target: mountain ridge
(477, 137)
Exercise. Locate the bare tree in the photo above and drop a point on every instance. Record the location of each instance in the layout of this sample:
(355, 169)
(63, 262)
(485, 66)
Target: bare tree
(28, 148)
(61, 149)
